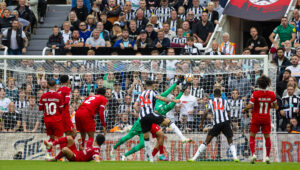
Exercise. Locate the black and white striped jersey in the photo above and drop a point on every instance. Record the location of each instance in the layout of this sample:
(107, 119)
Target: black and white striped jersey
(131, 15)
(197, 92)
(147, 13)
(75, 81)
(197, 11)
(178, 40)
(181, 16)
(219, 108)
(290, 104)
(173, 25)
(121, 3)
(236, 107)
(119, 95)
(137, 90)
(19, 105)
(163, 14)
(146, 102)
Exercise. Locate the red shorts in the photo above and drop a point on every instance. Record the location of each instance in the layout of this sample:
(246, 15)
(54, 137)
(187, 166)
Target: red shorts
(66, 120)
(77, 156)
(265, 125)
(155, 128)
(54, 128)
(84, 121)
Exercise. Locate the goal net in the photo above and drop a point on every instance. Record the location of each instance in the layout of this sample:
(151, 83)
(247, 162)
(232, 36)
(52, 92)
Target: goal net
(25, 80)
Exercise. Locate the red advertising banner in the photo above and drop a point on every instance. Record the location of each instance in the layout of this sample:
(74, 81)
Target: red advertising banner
(257, 10)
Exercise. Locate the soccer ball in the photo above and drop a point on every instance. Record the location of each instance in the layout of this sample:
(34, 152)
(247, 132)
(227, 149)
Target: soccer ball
(189, 77)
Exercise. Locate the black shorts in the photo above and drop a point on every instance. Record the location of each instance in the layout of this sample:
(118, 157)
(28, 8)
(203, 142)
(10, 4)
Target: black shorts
(223, 127)
(147, 121)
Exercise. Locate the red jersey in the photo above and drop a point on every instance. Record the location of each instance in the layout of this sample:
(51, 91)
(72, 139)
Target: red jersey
(52, 103)
(93, 104)
(65, 92)
(262, 101)
(90, 153)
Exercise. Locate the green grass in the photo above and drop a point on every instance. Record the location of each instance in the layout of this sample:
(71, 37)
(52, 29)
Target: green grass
(130, 165)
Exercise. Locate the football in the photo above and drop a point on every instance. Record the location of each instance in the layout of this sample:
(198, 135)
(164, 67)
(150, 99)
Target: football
(189, 77)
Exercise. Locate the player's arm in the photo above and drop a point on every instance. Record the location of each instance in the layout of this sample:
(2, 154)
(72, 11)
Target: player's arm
(203, 118)
(96, 158)
(41, 104)
(67, 97)
(248, 107)
(165, 99)
(101, 116)
(136, 107)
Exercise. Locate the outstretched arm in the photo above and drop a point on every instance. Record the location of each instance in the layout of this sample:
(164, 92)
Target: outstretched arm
(164, 99)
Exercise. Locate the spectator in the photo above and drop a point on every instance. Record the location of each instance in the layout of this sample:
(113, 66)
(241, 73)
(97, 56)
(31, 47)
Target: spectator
(11, 119)
(112, 10)
(22, 102)
(145, 9)
(213, 16)
(56, 40)
(281, 61)
(4, 102)
(96, 11)
(11, 91)
(296, 19)
(127, 108)
(161, 41)
(142, 41)
(141, 21)
(95, 41)
(83, 31)
(74, 41)
(282, 84)
(245, 123)
(88, 86)
(31, 116)
(181, 13)
(289, 52)
(123, 125)
(122, 20)
(292, 81)
(186, 29)
(23, 23)
(241, 83)
(215, 49)
(179, 38)
(150, 31)
(72, 18)
(104, 34)
(111, 109)
(86, 3)
(157, 25)
(203, 29)
(196, 8)
(164, 11)
(168, 33)
(116, 32)
(285, 32)
(133, 30)
(135, 86)
(66, 32)
(26, 13)
(226, 46)
(42, 8)
(295, 67)
(189, 48)
(118, 93)
(135, 4)
(107, 24)
(256, 43)
(80, 10)
(109, 81)
(125, 42)
(295, 126)
(18, 42)
(6, 21)
(174, 22)
(128, 11)
(187, 107)
(218, 7)
(289, 128)
(191, 19)
(90, 22)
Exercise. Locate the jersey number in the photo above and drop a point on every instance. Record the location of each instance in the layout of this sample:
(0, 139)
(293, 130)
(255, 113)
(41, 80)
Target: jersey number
(50, 108)
(263, 107)
(219, 106)
(88, 101)
(143, 101)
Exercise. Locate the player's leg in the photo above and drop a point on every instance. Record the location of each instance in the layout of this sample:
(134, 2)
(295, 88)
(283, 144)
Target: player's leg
(148, 146)
(266, 130)
(227, 131)
(125, 138)
(160, 141)
(91, 138)
(254, 128)
(172, 125)
(67, 152)
(83, 136)
(68, 141)
(137, 147)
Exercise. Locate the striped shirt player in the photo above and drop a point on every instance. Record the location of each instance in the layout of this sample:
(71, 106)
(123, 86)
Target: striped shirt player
(236, 107)
(197, 11)
(163, 13)
(289, 106)
(219, 108)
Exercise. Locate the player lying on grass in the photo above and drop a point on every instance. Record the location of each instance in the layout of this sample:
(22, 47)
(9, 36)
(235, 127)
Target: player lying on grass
(221, 123)
(92, 151)
(261, 102)
(137, 130)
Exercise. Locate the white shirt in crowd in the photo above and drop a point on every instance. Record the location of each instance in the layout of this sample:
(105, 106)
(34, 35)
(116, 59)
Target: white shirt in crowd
(13, 38)
(188, 104)
(171, 68)
(4, 104)
(295, 70)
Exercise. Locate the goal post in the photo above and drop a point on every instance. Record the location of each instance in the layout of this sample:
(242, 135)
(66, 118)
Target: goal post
(125, 77)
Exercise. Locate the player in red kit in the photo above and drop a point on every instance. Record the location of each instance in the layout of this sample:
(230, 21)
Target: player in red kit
(52, 103)
(92, 151)
(65, 92)
(261, 102)
(85, 114)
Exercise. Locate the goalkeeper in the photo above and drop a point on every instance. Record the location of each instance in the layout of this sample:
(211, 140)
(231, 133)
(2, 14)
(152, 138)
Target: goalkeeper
(161, 108)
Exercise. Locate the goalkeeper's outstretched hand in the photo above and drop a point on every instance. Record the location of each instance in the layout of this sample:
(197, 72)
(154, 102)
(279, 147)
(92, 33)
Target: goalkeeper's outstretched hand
(180, 79)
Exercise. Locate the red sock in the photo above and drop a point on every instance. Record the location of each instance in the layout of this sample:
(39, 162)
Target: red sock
(268, 146)
(50, 140)
(154, 152)
(161, 149)
(62, 140)
(60, 155)
(89, 142)
(252, 144)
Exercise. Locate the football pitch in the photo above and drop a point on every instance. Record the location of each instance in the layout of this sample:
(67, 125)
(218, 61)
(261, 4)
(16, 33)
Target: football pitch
(131, 165)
